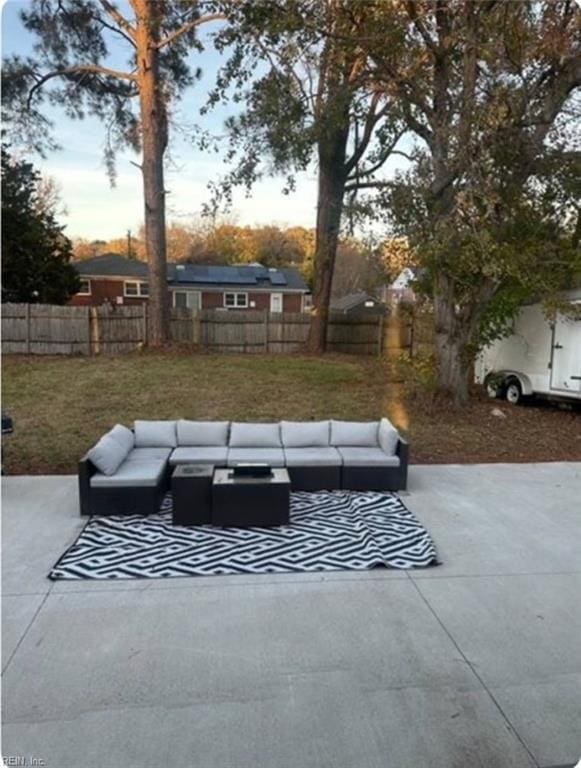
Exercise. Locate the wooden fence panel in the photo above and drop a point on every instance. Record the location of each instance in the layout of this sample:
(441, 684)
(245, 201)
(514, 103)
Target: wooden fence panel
(234, 331)
(350, 334)
(46, 329)
(287, 332)
(183, 326)
(119, 329)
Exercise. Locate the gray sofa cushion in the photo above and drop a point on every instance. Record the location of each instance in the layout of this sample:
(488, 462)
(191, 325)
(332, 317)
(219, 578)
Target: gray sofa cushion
(202, 432)
(254, 435)
(366, 457)
(272, 456)
(388, 437)
(123, 435)
(199, 454)
(312, 457)
(143, 474)
(359, 433)
(148, 454)
(107, 455)
(301, 434)
(155, 434)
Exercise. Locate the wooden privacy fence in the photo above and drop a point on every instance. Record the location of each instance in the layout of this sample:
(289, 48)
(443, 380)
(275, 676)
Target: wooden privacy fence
(43, 329)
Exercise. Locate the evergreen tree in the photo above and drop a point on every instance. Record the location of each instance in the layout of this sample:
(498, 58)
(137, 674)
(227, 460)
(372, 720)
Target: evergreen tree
(35, 253)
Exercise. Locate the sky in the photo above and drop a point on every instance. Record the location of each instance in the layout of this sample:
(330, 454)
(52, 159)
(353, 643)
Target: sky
(96, 211)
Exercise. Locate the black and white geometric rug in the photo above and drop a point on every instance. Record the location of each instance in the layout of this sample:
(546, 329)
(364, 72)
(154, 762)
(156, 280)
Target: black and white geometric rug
(329, 531)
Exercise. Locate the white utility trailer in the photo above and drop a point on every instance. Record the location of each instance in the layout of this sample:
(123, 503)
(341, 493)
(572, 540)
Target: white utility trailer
(540, 357)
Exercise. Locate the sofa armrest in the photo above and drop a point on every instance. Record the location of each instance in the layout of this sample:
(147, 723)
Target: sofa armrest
(402, 450)
(86, 470)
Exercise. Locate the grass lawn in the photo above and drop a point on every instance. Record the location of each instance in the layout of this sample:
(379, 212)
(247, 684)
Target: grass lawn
(61, 406)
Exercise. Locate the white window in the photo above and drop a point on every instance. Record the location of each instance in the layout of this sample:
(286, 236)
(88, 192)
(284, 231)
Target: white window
(135, 288)
(85, 288)
(188, 299)
(236, 300)
(307, 302)
(276, 302)
(369, 304)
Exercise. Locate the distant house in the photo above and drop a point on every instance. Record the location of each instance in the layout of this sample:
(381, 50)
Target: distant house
(120, 281)
(359, 303)
(113, 279)
(401, 290)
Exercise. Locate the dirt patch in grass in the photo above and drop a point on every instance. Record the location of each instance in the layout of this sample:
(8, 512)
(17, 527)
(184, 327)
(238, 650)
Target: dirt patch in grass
(61, 406)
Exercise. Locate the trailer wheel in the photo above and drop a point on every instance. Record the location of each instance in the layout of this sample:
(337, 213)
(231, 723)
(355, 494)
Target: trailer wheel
(513, 392)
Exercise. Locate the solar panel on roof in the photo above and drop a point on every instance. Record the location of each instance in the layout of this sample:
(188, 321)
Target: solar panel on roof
(277, 278)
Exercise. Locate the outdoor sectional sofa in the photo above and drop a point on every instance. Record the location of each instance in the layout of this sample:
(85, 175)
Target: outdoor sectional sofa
(128, 471)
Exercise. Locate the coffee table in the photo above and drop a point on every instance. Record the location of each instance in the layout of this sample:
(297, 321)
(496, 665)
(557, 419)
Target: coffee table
(242, 502)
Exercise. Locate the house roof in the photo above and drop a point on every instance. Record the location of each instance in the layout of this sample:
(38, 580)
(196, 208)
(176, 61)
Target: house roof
(353, 300)
(111, 265)
(247, 275)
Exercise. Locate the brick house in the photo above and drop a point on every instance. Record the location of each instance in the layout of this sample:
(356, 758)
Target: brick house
(117, 280)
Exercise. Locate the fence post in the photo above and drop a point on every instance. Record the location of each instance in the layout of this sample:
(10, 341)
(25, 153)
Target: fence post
(145, 323)
(27, 329)
(95, 331)
(266, 330)
(206, 331)
(89, 348)
(380, 332)
(196, 327)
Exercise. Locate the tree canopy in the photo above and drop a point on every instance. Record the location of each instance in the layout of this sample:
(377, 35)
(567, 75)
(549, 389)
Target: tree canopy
(35, 253)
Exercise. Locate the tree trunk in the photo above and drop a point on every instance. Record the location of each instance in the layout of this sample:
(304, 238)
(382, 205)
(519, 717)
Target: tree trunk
(332, 151)
(154, 141)
(452, 339)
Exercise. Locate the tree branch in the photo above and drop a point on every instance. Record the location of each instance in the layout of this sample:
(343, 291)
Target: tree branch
(370, 123)
(368, 185)
(117, 16)
(188, 27)
(117, 31)
(384, 156)
(420, 26)
(93, 69)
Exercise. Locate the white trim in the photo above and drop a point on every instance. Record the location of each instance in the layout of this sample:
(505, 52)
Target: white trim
(187, 292)
(277, 295)
(139, 294)
(236, 305)
(85, 293)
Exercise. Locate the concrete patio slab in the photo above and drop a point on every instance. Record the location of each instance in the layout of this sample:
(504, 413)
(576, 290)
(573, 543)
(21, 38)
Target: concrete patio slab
(473, 663)
(17, 614)
(324, 720)
(533, 509)
(514, 629)
(548, 716)
(131, 648)
(40, 521)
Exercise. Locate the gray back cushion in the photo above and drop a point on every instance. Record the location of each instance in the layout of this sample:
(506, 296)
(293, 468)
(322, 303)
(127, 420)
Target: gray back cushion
(155, 434)
(202, 432)
(108, 454)
(304, 434)
(254, 435)
(388, 437)
(361, 433)
(123, 436)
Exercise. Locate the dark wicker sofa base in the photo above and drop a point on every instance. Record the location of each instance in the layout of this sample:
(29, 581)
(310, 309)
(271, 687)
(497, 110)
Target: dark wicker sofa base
(139, 500)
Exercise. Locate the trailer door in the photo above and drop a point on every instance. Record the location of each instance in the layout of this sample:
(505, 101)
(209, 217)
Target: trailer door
(566, 357)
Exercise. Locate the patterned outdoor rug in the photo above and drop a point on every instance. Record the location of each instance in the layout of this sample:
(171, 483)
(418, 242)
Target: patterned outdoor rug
(329, 531)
